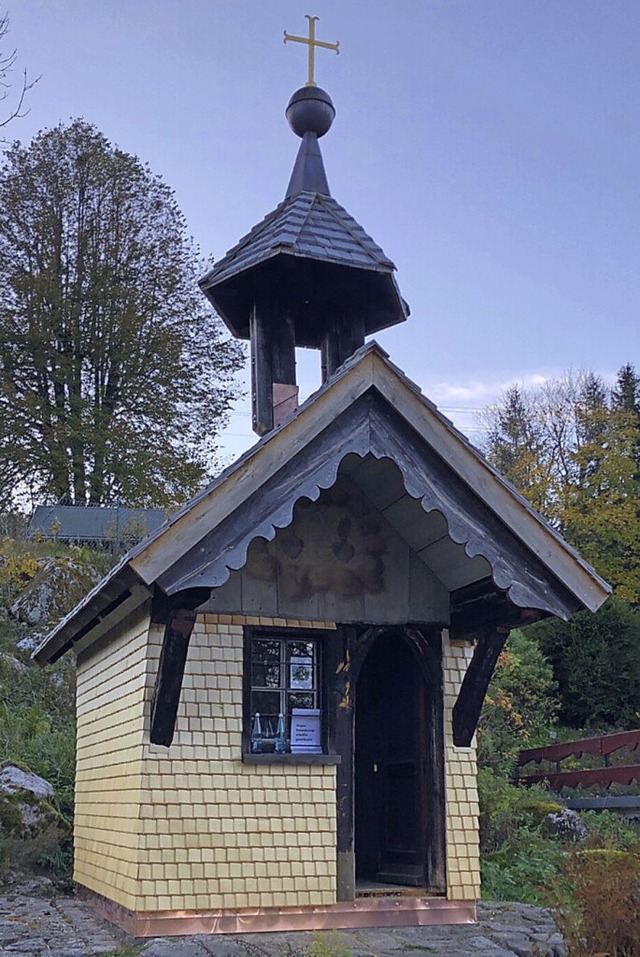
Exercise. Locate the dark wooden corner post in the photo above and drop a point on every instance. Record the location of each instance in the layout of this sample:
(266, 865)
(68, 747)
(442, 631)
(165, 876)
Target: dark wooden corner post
(178, 614)
(273, 366)
(343, 335)
(466, 711)
(343, 730)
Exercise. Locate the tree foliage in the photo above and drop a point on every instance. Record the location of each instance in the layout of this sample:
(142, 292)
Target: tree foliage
(521, 704)
(596, 660)
(114, 374)
(572, 448)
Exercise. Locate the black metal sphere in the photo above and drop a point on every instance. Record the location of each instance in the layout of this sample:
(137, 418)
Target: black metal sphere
(310, 110)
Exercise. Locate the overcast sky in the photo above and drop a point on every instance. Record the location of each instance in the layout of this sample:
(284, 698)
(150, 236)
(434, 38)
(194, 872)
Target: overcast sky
(491, 147)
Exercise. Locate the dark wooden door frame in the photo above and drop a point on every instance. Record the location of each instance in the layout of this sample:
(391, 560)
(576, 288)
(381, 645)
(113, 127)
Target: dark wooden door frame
(353, 645)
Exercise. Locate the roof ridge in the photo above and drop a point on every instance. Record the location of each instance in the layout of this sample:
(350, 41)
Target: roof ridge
(348, 222)
(314, 196)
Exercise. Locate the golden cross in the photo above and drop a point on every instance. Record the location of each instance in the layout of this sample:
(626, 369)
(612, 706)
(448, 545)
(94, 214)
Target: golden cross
(312, 43)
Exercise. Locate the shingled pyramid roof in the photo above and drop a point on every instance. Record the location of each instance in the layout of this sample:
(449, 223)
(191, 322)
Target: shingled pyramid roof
(343, 263)
(308, 224)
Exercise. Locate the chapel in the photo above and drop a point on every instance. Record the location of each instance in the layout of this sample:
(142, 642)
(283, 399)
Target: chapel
(278, 689)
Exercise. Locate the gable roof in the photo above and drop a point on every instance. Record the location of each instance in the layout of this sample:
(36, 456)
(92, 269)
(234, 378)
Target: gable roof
(369, 408)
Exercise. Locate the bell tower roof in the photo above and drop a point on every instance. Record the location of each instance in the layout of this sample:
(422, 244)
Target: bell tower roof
(308, 274)
(309, 247)
(318, 256)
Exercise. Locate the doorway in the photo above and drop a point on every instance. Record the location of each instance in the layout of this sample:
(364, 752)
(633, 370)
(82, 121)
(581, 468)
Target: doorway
(399, 810)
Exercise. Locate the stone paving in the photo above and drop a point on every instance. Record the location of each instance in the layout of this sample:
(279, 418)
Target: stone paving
(38, 921)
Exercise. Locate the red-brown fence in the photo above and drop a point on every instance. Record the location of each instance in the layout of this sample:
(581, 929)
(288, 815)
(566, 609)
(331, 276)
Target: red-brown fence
(602, 747)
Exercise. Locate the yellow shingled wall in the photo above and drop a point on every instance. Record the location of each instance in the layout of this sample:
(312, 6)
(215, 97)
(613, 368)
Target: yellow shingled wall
(192, 827)
(215, 833)
(110, 709)
(462, 836)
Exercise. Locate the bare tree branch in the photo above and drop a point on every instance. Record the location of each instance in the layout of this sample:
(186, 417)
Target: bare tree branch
(7, 65)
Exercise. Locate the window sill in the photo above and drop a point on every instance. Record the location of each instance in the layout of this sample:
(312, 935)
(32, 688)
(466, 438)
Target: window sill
(291, 759)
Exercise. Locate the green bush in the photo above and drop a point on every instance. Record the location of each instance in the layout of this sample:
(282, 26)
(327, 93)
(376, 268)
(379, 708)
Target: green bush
(522, 868)
(37, 732)
(520, 707)
(609, 832)
(505, 810)
(523, 860)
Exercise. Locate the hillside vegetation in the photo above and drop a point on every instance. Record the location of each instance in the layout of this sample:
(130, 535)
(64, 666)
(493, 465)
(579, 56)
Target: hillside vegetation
(39, 583)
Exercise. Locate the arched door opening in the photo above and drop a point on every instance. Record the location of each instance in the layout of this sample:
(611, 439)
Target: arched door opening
(399, 794)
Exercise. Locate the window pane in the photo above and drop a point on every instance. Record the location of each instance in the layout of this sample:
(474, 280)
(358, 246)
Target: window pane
(301, 673)
(301, 665)
(266, 650)
(299, 699)
(265, 664)
(301, 649)
(267, 704)
(265, 675)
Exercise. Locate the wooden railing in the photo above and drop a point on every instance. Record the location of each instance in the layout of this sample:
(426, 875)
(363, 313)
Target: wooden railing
(601, 747)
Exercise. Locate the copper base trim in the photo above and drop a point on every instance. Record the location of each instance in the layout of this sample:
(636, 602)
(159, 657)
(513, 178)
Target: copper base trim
(361, 913)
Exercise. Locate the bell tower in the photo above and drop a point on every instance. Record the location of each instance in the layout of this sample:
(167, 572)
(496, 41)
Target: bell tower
(308, 275)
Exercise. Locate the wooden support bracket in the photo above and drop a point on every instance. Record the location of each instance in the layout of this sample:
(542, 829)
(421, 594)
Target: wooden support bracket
(180, 618)
(466, 711)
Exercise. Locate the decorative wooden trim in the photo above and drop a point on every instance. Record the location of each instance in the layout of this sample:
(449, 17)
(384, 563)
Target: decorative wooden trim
(180, 620)
(371, 367)
(466, 711)
(393, 911)
(248, 476)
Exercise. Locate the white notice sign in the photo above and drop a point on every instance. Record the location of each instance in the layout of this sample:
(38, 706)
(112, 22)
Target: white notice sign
(305, 731)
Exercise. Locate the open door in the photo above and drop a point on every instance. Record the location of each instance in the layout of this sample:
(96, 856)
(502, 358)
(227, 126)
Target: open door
(395, 816)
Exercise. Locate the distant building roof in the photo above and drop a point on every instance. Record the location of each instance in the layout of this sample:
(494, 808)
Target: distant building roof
(77, 523)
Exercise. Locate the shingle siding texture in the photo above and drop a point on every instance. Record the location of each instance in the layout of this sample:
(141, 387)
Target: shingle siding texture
(463, 846)
(192, 828)
(110, 708)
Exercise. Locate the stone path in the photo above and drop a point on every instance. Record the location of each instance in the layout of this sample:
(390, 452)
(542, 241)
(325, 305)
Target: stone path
(37, 921)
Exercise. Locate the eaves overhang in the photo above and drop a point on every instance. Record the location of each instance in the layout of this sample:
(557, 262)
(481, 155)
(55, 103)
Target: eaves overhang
(157, 559)
(119, 592)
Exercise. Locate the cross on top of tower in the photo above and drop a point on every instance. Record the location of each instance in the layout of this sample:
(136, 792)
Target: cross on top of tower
(312, 43)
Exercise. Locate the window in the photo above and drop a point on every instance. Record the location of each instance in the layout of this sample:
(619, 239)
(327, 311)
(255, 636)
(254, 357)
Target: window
(283, 713)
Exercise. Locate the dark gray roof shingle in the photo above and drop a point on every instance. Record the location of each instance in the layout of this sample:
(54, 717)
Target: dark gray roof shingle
(310, 225)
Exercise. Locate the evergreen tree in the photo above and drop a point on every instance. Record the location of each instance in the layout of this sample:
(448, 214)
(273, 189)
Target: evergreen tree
(596, 661)
(625, 395)
(514, 445)
(572, 450)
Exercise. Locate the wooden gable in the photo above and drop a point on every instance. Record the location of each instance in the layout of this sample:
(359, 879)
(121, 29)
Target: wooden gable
(499, 560)
(340, 559)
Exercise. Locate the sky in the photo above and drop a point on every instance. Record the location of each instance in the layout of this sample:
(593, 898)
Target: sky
(491, 147)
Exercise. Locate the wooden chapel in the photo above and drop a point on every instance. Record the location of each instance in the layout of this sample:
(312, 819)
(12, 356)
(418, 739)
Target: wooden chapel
(278, 689)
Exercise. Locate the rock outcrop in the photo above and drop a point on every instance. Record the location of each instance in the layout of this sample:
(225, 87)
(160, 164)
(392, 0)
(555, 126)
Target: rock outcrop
(55, 589)
(29, 821)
